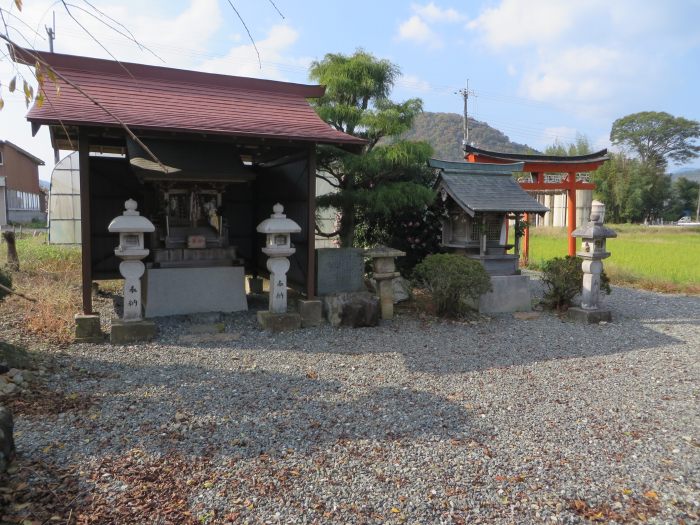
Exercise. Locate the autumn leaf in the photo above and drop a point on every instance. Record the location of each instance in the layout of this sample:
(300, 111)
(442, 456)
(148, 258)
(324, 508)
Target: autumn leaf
(2, 103)
(650, 494)
(13, 85)
(18, 3)
(394, 510)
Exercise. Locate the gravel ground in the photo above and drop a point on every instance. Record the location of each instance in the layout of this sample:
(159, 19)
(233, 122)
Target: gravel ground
(417, 421)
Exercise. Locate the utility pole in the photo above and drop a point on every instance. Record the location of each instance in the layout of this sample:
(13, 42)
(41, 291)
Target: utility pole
(51, 31)
(465, 92)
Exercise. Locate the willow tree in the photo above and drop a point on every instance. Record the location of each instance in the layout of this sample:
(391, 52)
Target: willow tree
(391, 176)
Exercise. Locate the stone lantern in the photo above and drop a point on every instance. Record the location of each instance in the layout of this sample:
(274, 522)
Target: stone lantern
(384, 272)
(278, 247)
(593, 250)
(131, 226)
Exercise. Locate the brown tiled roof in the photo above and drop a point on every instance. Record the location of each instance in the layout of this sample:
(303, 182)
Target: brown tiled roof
(159, 98)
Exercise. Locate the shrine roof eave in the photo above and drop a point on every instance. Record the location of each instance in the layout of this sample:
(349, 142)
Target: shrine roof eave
(541, 163)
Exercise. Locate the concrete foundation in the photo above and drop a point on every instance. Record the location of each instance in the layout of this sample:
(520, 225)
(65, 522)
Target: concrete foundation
(589, 316)
(311, 312)
(131, 332)
(511, 293)
(87, 329)
(279, 322)
(179, 291)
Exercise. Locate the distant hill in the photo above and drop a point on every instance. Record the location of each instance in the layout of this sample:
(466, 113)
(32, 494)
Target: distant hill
(690, 174)
(443, 131)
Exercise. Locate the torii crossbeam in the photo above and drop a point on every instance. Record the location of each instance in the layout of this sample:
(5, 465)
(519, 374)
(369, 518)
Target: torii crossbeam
(537, 166)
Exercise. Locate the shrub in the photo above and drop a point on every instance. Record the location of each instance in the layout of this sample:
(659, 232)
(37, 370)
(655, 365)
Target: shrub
(563, 278)
(454, 281)
(5, 280)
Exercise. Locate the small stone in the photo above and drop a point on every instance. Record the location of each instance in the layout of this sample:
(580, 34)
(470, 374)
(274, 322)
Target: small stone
(9, 388)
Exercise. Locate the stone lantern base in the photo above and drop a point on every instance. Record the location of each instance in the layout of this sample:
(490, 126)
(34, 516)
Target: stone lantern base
(279, 322)
(125, 332)
(581, 315)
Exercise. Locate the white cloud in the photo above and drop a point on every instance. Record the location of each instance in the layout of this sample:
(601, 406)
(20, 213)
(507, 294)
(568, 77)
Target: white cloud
(593, 57)
(242, 60)
(433, 13)
(517, 23)
(416, 30)
(414, 84)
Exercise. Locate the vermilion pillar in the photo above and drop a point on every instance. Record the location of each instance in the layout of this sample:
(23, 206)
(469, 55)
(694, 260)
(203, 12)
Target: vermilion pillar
(571, 212)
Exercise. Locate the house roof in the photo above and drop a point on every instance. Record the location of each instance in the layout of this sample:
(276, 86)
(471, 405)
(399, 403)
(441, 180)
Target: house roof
(478, 187)
(164, 99)
(35, 160)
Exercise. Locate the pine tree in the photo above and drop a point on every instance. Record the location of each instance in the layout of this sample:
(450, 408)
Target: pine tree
(390, 177)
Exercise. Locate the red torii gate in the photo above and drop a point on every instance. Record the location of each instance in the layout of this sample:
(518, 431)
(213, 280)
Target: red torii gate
(537, 166)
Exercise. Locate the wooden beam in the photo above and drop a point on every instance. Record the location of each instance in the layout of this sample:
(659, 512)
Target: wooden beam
(311, 226)
(558, 186)
(85, 226)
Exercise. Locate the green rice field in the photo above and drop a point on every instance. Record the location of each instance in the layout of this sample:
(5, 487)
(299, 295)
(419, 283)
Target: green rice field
(663, 258)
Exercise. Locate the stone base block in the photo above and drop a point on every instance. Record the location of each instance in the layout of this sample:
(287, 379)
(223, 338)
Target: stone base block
(131, 332)
(311, 312)
(178, 291)
(589, 316)
(511, 293)
(87, 329)
(279, 322)
(353, 309)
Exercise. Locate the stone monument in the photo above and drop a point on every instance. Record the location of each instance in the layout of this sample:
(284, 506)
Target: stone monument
(278, 247)
(131, 226)
(593, 251)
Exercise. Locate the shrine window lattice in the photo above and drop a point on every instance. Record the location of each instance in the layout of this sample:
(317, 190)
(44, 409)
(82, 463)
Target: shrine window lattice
(493, 230)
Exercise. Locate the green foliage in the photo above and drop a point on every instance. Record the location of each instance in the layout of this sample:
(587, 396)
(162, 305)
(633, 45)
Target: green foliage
(581, 146)
(631, 189)
(563, 278)
(454, 282)
(416, 232)
(684, 199)
(657, 137)
(388, 179)
(5, 280)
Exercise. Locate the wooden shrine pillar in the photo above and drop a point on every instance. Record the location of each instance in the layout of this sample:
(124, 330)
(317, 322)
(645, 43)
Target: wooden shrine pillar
(571, 212)
(526, 240)
(311, 226)
(85, 226)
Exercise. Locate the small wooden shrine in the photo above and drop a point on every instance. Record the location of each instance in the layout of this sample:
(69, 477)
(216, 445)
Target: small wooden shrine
(479, 199)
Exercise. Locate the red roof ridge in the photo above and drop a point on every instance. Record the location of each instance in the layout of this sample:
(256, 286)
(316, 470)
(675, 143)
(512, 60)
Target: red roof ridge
(148, 72)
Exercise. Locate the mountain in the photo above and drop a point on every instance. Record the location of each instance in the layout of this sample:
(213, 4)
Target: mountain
(443, 131)
(689, 173)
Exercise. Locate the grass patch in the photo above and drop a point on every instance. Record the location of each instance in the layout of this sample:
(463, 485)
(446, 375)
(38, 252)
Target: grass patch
(51, 275)
(665, 259)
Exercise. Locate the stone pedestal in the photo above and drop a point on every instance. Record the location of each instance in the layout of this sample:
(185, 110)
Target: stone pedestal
(87, 329)
(279, 322)
(583, 315)
(510, 293)
(183, 291)
(126, 332)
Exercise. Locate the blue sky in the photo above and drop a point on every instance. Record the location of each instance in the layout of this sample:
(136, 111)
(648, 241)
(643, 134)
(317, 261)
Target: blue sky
(540, 69)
